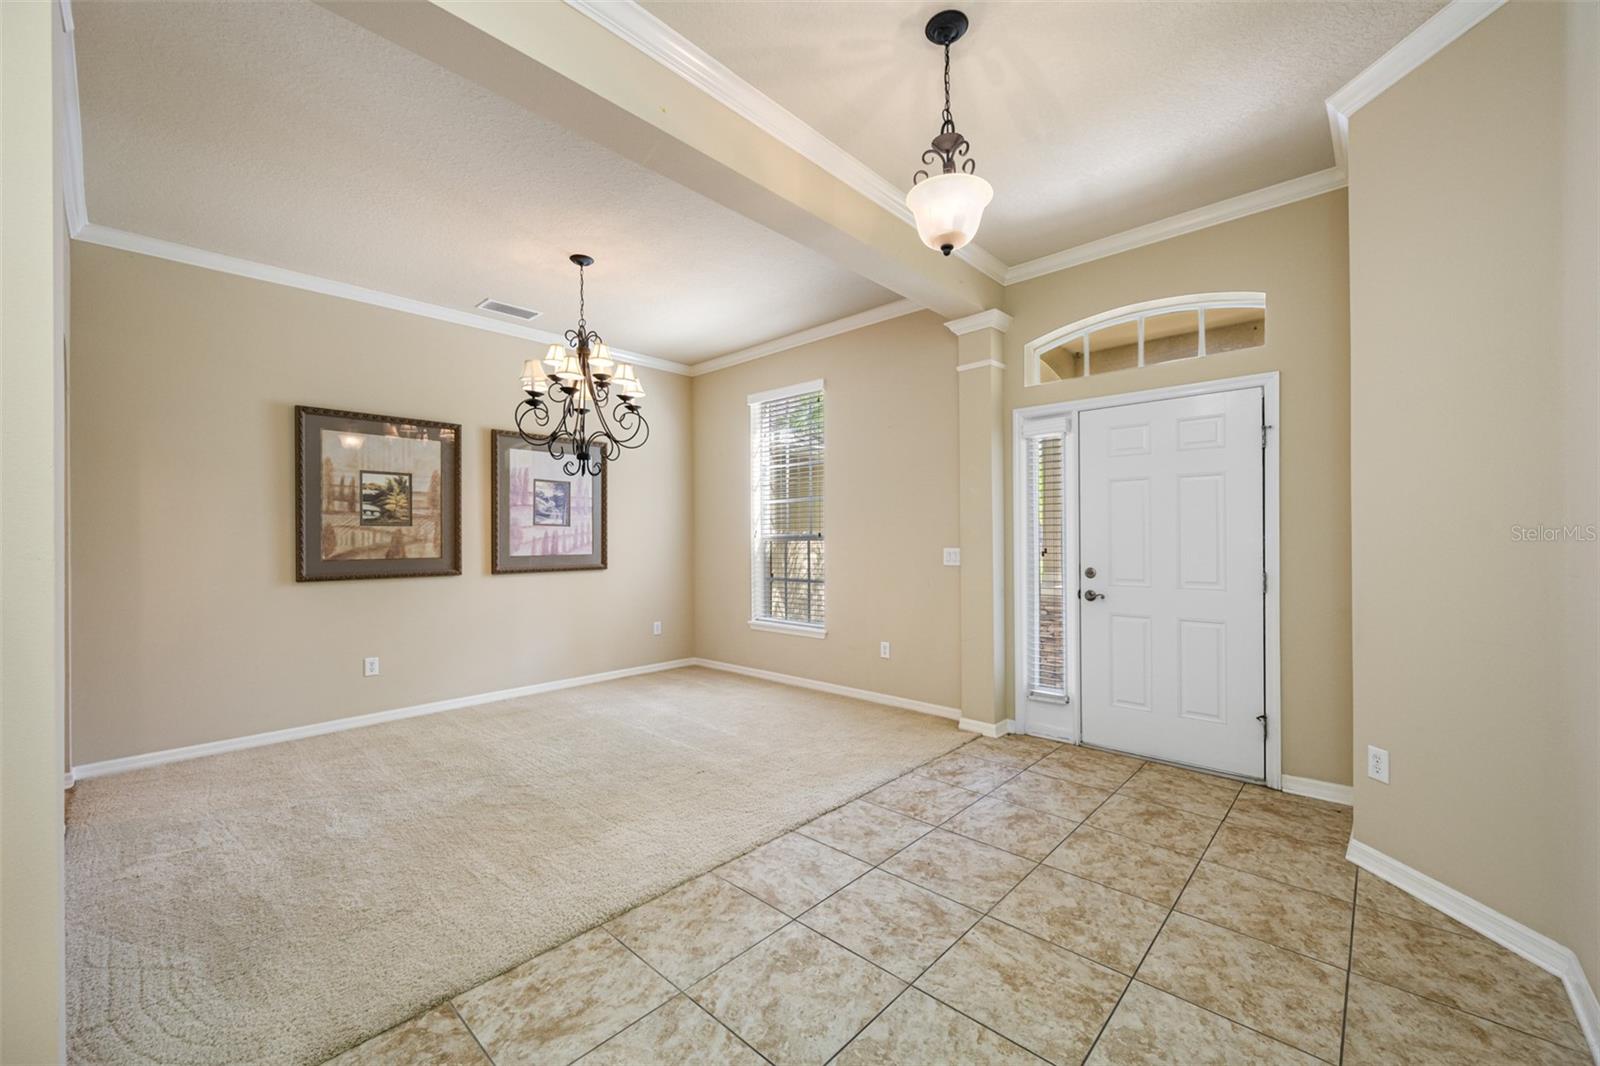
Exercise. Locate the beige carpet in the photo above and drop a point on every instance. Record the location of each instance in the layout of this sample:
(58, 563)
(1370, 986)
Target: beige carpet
(281, 904)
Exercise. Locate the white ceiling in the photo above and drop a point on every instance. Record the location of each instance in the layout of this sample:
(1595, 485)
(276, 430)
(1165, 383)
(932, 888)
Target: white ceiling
(281, 133)
(1088, 118)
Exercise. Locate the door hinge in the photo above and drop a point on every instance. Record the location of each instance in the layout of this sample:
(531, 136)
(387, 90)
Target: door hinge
(1263, 582)
(1262, 718)
(1264, 429)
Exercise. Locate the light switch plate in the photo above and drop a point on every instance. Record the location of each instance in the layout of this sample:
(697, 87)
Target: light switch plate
(952, 557)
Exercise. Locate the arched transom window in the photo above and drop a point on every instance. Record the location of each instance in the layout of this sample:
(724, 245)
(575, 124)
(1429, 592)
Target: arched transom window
(1139, 335)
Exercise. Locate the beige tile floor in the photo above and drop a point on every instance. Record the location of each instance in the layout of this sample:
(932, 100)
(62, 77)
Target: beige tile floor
(1020, 901)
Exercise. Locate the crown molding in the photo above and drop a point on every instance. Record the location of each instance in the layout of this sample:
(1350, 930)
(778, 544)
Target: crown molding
(1279, 195)
(246, 268)
(1413, 50)
(633, 24)
(80, 228)
(806, 336)
(994, 319)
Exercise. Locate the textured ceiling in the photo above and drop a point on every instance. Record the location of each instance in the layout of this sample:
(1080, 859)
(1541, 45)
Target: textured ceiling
(282, 133)
(1088, 118)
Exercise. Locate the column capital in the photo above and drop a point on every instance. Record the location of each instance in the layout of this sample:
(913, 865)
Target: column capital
(994, 319)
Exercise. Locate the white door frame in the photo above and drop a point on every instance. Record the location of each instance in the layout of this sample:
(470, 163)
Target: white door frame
(1067, 410)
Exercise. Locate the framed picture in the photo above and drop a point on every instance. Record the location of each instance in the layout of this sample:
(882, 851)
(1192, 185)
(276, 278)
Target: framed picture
(375, 496)
(544, 518)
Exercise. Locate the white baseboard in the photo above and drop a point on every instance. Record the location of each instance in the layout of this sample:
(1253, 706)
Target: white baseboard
(920, 706)
(987, 729)
(67, 780)
(277, 736)
(1510, 934)
(1321, 790)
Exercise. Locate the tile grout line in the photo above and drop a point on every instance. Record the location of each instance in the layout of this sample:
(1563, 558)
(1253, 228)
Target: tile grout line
(989, 914)
(1349, 968)
(1174, 910)
(878, 866)
(1471, 1014)
(978, 796)
(601, 926)
(1161, 929)
(486, 1056)
(680, 990)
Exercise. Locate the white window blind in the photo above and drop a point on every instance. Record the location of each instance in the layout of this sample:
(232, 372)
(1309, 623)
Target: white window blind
(787, 559)
(1046, 588)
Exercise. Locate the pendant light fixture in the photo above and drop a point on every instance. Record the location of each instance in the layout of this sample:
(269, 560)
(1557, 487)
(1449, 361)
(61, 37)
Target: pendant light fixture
(575, 383)
(949, 205)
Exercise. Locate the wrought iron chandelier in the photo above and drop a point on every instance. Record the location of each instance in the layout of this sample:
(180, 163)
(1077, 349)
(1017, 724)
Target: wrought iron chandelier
(948, 206)
(577, 381)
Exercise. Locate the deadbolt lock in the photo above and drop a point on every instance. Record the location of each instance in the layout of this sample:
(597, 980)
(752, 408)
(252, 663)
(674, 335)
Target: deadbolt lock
(1088, 571)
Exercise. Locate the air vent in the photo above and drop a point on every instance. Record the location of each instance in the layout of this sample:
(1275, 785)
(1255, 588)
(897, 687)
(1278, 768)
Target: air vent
(500, 307)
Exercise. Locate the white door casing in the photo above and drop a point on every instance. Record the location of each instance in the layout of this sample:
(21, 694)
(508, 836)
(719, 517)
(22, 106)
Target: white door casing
(1172, 653)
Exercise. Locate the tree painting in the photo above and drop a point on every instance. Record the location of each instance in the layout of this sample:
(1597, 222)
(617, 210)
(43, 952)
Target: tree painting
(385, 498)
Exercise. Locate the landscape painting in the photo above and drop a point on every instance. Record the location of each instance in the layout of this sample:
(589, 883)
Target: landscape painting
(549, 499)
(384, 501)
(544, 518)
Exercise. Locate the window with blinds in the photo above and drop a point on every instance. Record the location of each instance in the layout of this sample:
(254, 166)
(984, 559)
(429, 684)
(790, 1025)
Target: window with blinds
(788, 573)
(1046, 591)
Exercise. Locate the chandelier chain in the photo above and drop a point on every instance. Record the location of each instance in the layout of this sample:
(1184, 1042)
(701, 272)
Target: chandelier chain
(949, 120)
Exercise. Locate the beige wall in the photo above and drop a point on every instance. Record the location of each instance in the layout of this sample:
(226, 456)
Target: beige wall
(891, 508)
(1297, 256)
(187, 623)
(1473, 240)
(31, 561)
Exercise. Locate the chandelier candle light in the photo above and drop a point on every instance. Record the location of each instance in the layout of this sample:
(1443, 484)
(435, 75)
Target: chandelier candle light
(575, 381)
(948, 206)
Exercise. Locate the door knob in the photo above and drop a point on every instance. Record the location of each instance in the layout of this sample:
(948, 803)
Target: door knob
(1092, 595)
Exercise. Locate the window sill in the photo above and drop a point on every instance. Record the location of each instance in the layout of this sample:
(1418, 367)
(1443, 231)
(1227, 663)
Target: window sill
(791, 628)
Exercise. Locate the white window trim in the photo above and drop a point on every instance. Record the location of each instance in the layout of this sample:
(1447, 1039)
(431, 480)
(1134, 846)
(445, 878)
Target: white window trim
(786, 391)
(755, 400)
(793, 629)
(1199, 302)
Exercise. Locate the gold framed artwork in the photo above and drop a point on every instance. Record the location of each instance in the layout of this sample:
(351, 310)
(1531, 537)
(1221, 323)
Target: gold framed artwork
(544, 518)
(375, 496)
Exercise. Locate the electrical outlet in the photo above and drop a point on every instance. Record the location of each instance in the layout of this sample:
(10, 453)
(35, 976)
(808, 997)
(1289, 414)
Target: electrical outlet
(656, 629)
(1378, 764)
(952, 557)
(369, 666)
(883, 649)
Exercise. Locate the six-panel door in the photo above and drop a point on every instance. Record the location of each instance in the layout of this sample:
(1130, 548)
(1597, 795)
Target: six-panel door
(1170, 523)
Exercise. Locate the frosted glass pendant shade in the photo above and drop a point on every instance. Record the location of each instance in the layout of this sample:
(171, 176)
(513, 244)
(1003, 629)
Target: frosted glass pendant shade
(948, 209)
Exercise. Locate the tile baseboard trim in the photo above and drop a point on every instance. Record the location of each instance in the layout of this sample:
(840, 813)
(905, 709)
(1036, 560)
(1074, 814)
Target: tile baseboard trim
(1509, 933)
(920, 706)
(1311, 788)
(338, 725)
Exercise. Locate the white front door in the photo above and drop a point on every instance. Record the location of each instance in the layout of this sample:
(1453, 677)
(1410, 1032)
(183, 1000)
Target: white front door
(1172, 579)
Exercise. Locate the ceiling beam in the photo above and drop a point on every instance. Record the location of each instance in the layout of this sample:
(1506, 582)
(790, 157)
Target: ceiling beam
(563, 66)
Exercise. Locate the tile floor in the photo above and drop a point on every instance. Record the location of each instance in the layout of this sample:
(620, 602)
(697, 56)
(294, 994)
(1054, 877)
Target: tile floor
(1017, 901)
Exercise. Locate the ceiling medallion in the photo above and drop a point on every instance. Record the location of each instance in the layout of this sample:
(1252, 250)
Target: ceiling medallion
(948, 206)
(575, 382)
